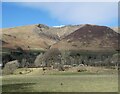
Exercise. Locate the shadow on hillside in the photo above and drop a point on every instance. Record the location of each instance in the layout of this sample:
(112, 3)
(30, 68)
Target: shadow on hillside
(20, 87)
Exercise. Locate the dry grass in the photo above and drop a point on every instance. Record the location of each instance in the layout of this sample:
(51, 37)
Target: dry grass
(24, 37)
(55, 81)
(70, 71)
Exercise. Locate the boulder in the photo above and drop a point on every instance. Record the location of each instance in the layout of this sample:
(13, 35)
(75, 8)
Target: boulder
(10, 67)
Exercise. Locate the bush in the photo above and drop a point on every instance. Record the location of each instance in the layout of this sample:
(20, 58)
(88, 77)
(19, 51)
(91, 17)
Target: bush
(20, 73)
(38, 60)
(81, 69)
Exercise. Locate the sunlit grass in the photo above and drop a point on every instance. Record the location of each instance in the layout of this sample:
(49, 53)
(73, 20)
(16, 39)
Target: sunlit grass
(55, 81)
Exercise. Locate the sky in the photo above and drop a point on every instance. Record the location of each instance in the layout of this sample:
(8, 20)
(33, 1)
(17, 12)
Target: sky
(57, 14)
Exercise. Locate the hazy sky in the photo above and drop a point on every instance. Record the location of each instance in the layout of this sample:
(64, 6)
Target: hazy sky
(54, 14)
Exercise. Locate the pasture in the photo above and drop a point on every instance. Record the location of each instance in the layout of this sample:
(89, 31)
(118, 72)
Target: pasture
(54, 81)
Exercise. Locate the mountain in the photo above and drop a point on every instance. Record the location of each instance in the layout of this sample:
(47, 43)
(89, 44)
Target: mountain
(25, 43)
(90, 37)
(115, 29)
(34, 37)
(26, 38)
(70, 37)
(57, 32)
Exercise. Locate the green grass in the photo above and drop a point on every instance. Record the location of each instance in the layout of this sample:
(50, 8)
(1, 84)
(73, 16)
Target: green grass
(71, 82)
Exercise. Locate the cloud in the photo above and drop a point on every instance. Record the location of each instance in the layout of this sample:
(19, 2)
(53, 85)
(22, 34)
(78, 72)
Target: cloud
(59, 26)
(82, 12)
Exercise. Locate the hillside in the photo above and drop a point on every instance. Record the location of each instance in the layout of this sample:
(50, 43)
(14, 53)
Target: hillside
(34, 37)
(25, 38)
(56, 32)
(70, 37)
(90, 37)
(77, 44)
(115, 29)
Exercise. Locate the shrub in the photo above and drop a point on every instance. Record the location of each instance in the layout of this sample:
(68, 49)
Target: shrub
(38, 60)
(81, 69)
(20, 73)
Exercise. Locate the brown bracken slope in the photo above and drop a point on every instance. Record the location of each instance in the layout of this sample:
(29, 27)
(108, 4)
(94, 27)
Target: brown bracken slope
(90, 37)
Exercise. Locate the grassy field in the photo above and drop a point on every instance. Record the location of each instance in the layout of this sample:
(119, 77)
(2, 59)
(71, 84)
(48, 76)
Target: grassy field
(54, 81)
